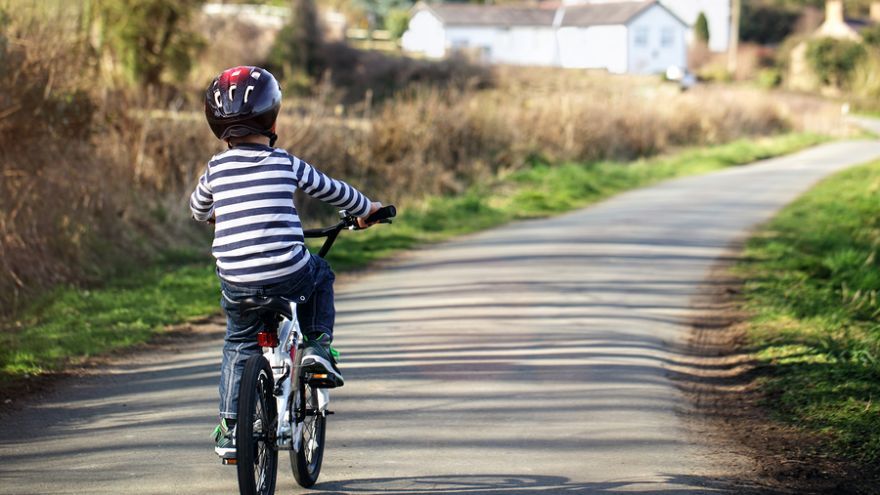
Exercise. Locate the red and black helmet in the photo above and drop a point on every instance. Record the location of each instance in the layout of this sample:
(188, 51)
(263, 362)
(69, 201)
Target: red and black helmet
(242, 101)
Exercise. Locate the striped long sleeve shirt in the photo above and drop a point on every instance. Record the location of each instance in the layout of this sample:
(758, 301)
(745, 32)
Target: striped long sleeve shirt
(258, 237)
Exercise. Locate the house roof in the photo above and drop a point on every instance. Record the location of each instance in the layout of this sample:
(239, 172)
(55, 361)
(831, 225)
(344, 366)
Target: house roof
(582, 15)
(603, 14)
(859, 24)
(456, 14)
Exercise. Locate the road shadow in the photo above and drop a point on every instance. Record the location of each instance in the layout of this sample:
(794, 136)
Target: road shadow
(536, 485)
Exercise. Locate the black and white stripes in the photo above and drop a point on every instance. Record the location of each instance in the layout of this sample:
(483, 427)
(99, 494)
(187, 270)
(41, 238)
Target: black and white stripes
(258, 237)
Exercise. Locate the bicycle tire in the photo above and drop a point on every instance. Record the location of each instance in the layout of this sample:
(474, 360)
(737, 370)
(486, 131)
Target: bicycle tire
(257, 456)
(306, 463)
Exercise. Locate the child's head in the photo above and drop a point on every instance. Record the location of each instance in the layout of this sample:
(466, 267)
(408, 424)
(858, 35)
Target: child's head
(243, 101)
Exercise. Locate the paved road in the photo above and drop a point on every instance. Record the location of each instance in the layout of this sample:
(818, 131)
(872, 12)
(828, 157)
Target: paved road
(534, 358)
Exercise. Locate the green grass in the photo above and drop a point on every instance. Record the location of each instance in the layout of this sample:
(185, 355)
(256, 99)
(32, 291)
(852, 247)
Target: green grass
(72, 323)
(812, 281)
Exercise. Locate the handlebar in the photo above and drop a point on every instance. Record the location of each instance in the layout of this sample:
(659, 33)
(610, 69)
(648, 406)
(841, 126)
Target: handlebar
(383, 213)
(350, 222)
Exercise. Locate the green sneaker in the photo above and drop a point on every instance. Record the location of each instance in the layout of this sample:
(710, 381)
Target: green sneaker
(224, 437)
(319, 359)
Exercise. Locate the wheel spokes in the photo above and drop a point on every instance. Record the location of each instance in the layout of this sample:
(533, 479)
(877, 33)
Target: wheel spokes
(310, 442)
(262, 423)
(261, 435)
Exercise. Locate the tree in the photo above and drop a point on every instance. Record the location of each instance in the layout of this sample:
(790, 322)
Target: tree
(377, 13)
(701, 28)
(397, 22)
(733, 44)
(767, 23)
(151, 38)
(834, 60)
(871, 35)
(296, 53)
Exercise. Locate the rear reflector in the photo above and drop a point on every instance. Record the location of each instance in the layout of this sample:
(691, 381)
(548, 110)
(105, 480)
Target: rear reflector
(267, 339)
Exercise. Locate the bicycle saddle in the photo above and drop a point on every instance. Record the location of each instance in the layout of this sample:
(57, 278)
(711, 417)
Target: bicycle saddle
(272, 303)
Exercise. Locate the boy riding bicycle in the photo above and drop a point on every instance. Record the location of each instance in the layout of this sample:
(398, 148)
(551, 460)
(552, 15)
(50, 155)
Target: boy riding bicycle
(248, 190)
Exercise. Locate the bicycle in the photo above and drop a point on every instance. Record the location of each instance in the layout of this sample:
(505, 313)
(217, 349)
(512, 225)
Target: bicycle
(280, 406)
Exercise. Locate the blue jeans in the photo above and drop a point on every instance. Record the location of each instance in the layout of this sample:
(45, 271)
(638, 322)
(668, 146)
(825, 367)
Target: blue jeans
(312, 291)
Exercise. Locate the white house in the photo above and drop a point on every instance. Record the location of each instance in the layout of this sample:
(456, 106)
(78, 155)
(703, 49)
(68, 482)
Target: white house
(641, 37)
(717, 14)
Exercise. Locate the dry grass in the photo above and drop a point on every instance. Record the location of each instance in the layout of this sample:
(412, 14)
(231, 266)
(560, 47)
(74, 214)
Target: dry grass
(439, 141)
(52, 190)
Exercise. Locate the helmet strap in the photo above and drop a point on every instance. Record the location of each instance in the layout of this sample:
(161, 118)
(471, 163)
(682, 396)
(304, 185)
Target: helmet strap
(272, 138)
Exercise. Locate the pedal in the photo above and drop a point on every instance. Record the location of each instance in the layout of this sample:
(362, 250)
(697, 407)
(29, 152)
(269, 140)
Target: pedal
(329, 412)
(321, 380)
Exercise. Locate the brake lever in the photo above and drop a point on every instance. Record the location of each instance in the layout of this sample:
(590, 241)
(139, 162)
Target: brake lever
(355, 226)
(351, 222)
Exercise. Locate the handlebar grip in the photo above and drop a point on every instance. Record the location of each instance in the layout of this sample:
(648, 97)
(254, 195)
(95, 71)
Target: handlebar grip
(383, 213)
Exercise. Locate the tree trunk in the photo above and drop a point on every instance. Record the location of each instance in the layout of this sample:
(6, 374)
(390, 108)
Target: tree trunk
(733, 45)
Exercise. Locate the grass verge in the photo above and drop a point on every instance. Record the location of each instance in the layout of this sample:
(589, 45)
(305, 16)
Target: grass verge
(812, 280)
(71, 324)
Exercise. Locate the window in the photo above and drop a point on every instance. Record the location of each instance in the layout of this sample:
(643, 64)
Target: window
(667, 37)
(641, 36)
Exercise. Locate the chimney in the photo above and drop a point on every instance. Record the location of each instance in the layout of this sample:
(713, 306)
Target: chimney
(834, 12)
(875, 11)
(835, 25)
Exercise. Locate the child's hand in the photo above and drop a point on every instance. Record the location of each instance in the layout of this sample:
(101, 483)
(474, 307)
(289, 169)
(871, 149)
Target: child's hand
(373, 207)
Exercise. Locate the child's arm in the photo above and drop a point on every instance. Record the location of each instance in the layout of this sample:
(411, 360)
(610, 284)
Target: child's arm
(336, 192)
(202, 200)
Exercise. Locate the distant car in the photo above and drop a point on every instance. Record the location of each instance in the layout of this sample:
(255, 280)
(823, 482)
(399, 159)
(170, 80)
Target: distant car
(686, 79)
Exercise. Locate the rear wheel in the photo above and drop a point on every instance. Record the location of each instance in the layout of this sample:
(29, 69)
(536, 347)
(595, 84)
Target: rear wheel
(257, 457)
(306, 462)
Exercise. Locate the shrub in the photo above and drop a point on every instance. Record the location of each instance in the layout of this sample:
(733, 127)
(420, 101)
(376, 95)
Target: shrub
(865, 81)
(397, 22)
(150, 38)
(767, 23)
(296, 54)
(701, 28)
(354, 73)
(871, 35)
(834, 60)
(55, 192)
(716, 71)
(769, 78)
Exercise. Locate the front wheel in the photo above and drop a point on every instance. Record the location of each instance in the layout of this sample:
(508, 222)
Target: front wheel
(257, 457)
(306, 462)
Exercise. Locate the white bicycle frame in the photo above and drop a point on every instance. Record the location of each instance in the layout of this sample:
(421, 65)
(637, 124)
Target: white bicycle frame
(285, 371)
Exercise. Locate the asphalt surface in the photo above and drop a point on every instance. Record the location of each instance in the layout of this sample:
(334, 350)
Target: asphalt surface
(533, 358)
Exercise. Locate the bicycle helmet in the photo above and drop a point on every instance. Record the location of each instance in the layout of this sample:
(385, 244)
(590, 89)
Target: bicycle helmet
(243, 101)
